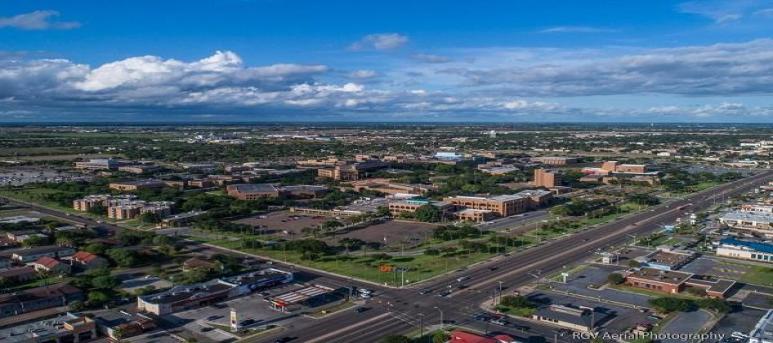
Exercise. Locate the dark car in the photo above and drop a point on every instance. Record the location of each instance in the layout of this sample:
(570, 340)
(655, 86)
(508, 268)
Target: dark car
(361, 309)
(283, 340)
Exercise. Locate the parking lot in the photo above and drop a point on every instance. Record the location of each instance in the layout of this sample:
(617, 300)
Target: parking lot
(739, 320)
(393, 233)
(252, 310)
(285, 223)
(586, 281)
(718, 268)
(610, 317)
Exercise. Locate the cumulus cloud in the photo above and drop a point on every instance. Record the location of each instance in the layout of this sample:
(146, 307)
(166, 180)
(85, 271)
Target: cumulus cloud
(723, 109)
(379, 41)
(37, 20)
(363, 74)
(527, 84)
(720, 69)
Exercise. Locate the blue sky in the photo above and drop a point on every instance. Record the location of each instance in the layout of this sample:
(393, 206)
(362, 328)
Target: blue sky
(702, 61)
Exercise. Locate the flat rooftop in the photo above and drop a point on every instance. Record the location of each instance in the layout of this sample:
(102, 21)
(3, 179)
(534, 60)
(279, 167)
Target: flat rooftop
(665, 276)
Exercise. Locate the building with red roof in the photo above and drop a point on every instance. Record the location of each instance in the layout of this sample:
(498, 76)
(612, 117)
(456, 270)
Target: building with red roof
(50, 265)
(88, 260)
(459, 336)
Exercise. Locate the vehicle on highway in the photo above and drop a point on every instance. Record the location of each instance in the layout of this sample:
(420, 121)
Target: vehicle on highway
(463, 278)
(425, 291)
(444, 293)
(482, 316)
(284, 340)
(499, 321)
(362, 309)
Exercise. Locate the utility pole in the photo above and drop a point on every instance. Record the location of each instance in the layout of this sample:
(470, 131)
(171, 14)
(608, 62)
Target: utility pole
(500, 291)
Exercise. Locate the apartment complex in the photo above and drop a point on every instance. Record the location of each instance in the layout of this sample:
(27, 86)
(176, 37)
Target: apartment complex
(134, 208)
(105, 200)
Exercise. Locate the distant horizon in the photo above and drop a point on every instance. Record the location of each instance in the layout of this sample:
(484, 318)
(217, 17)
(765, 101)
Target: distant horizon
(366, 123)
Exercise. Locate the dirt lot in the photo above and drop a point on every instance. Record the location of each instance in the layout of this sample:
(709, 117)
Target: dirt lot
(396, 233)
(281, 221)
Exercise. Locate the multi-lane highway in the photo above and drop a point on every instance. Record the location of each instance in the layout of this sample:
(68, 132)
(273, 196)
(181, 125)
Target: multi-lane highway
(402, 311)
(405, 310)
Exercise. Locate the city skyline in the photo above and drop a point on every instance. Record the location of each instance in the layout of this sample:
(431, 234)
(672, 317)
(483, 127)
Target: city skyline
(242, 61)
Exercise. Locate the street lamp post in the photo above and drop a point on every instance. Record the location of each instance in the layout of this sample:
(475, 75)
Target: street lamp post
(442, 322)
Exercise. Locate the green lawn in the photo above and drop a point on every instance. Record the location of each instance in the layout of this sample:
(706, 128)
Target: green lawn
(758, 275)
(418, 267)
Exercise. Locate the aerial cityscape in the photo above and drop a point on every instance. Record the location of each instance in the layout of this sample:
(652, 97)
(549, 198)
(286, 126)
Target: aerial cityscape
(389, 172)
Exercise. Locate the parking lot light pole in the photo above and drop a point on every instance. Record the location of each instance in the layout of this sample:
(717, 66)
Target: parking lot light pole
(442, 322)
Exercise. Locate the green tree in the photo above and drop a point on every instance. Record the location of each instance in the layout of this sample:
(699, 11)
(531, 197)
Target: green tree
(671, 304)
(98, 298)
(428, 213)
(615, 278)
(440, 337)
(105, 282)
(150, 218)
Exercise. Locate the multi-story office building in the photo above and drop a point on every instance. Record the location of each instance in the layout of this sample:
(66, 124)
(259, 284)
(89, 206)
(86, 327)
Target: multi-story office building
(546, 178)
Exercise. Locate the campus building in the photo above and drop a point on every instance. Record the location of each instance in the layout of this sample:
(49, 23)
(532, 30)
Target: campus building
(546, 178)
(673, 282)
(746, 250)
(555, 160)
(350, 171)
(97, 164)
(136, 185)
(397, 207)
(665, 281)
(758, 224)
(252, 191)
(502, 205)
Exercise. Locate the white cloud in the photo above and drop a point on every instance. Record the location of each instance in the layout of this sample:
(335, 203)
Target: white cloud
(430, 58)
(379, 41)
(720, 69)
(37, 20)
(363, 74)
(576, 29)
